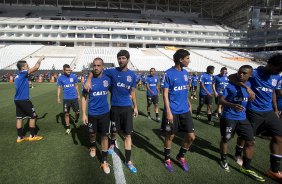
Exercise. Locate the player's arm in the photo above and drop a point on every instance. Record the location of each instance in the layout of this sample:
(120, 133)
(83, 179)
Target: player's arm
(214, 90)
(225, 103)
(88, 84)
(148, 88)
(59, 94)
(274, 103)
(83, 108)
(158, 89)
(36, 66)
(77, 91)
(134, 101)
(233, 79)
(169, 115)
(190, 105)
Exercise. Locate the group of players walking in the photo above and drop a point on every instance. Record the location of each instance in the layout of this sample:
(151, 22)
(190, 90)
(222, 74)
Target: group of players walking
(246, 105)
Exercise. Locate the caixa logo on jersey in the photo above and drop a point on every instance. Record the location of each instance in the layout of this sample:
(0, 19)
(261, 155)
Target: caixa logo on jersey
(128, 78)
(186, 78)
(71, 79)
(105, 83)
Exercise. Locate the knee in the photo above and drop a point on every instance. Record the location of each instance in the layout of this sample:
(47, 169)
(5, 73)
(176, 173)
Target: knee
(277, 139)
(225, 139)
(249, 143)
(191, 137)
(67, 114)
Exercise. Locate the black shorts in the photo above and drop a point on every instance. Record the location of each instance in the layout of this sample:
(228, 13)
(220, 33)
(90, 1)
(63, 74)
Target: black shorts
(100, 123)
(24, 108)
(243, 128)
(182, 122)
(70, 103)
(122, 119)
(216, 99)
(153, 99)
(265, 122)
(205, 99)
(194, 88)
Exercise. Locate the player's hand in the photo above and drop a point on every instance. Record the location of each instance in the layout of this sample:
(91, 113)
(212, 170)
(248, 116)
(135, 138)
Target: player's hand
(59, 101)
(78, 98)
(238, 107)
(84, 119)
(209, 94)
(251, 94)
(135, 112)
(87, 86)
(216, 94)
(277, 113)
(169, 117)
(41, 58)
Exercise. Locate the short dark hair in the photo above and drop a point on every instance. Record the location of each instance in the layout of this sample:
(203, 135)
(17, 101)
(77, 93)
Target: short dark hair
(180, 54)
(246, 67)
(20, 64)
(209, 68)
(66, 66)
(123, 53)
(275, 60)
(153, 69)
(98, 58)
(223, 68)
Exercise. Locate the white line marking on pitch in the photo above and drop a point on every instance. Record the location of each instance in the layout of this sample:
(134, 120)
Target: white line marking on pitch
(118, 171)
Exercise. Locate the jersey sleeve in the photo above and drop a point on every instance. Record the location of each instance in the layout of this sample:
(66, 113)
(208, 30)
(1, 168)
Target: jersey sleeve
(75, 79)
(279, 85)
(59, 82)
(108, 71)
(202, 78)
(133, 81)
(24, 73)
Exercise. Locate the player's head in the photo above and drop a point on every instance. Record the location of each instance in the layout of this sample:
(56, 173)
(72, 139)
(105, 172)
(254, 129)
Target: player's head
(182, 57)
(22, 65)
(223, 71)
(98, 66)
(274, 64)
(152, 71)
(210, 69)
(244, 73)
(123, 57)
(67, 69)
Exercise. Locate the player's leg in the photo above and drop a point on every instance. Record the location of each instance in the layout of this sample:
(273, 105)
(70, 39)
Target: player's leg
(114, 127)
(75, 108)
(66, 109)
(226, 131)
(92, 131)
(187, 126)
(19, 122)
(201, 103)
(156, 107)
(149, 102)
(127, 129)
(245, 131)
(209, 109)
(104, 130)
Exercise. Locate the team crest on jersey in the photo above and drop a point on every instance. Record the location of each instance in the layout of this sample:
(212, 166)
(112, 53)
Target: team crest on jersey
(71, 79)
(274, 82)
(185, 78)
(128, 78)
(156, 80)
(105, 83)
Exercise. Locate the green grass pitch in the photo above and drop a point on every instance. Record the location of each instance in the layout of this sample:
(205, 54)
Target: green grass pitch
(61, 158)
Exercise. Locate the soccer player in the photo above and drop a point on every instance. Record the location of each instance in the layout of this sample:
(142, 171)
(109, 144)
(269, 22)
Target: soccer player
(123, 89)
(278, 105)
(219, 83)
(206, 82)
(260, 111)
(177, 108)
(24, 107)
(68, 82)
(98, 119)
(233, 120)
(152, 93)
(194, 85)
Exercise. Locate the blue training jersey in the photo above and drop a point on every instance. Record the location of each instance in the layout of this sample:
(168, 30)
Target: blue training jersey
(98, 96)
(262, 85)
(122, 82)
(195, 80)
(22, 86)
(152, 81)
(236, 95)
(278, 97)
(207, 80)
(68, 84)
(177, 83)
(220, 81)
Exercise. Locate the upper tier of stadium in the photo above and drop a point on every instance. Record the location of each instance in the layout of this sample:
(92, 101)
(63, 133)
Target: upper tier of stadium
(142, 59)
